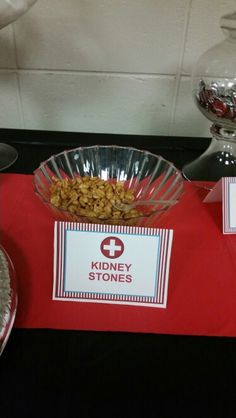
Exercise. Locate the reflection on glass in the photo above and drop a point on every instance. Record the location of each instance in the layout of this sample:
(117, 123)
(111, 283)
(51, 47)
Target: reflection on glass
(8, 156)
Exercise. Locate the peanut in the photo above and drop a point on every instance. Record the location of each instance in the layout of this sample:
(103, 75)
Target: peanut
(92, 197)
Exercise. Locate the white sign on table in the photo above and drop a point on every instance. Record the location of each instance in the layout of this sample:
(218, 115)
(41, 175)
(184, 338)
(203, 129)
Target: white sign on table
(225, 191)
(111, 264)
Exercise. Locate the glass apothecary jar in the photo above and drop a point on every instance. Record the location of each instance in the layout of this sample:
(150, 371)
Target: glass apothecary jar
(214, 92)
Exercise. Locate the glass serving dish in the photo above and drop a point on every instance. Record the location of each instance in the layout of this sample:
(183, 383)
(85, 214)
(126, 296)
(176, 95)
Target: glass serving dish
(8, 297)
(137, 186)
(12, 10)
(214, 93)
(8, 155)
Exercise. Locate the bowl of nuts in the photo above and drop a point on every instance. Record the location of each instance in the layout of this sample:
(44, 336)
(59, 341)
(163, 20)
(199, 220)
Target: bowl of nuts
(108, 184)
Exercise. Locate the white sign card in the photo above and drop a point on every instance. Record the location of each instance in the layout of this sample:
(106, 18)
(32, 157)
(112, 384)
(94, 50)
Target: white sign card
(111, 264)
(225, 191)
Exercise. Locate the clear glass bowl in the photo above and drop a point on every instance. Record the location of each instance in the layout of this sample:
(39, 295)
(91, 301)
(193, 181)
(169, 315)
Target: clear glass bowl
(8, 155)
(12, 10)
(155, 183)
(8, 297)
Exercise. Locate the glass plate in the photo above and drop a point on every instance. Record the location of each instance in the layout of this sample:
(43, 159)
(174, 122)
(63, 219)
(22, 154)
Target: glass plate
(8, 297)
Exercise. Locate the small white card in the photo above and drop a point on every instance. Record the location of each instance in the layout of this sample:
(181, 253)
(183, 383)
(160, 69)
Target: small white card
(225, 191)
(111, 264)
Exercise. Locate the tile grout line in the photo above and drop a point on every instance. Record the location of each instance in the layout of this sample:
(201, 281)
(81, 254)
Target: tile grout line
(19, 98)
(179, 71)
(88, 73)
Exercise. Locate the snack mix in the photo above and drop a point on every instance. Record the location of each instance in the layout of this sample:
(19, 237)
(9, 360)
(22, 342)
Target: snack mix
(92, 197)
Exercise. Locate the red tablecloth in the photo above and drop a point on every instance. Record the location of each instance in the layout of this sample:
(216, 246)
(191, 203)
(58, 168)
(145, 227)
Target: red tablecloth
(202, 281)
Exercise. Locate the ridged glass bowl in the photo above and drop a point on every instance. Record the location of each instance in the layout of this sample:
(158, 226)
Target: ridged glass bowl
(151, 184)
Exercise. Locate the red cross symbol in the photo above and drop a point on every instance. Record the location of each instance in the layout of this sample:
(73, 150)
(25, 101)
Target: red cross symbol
(112, 247)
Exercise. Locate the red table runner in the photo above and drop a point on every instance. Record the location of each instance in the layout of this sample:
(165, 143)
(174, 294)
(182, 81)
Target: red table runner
(202, 281)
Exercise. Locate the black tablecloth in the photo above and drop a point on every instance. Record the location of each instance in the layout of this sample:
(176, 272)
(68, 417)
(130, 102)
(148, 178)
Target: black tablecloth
(49, 373)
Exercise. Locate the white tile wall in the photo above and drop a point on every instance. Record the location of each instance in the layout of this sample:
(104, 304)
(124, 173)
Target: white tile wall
(7, 49)
(119, 66)
(102, 35)
(97, 102)
(10, 111)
